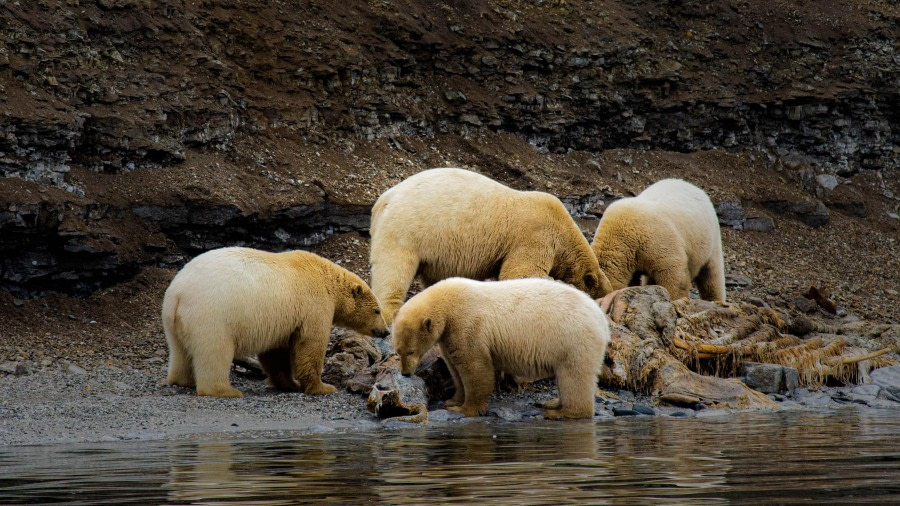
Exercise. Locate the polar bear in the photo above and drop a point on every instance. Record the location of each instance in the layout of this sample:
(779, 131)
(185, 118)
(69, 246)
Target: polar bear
(442, 223)
(236, 302)
(669, 233)
(529, 328)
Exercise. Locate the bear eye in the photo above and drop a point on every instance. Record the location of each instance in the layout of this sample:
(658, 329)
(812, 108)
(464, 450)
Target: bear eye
(377, 311)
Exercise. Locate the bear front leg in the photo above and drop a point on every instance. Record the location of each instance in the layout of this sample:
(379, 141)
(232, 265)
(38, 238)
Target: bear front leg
(676, 280)
(308, 346)
(525, 263)
(277, 366)
(576, 395)
(477, 377)
(459, 396)
(392, 274)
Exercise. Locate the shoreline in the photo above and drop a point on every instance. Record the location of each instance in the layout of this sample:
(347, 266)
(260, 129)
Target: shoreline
(68, 404)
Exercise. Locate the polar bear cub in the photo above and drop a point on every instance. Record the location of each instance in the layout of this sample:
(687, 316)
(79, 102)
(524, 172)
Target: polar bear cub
(529, 328)
(236, 302)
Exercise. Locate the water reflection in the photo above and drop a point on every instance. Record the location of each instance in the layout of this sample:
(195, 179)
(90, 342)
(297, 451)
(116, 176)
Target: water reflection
(841, 456)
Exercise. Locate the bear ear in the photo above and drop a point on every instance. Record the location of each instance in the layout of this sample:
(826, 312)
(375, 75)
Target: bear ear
(426, 325)
(590, 282)
(357, 291)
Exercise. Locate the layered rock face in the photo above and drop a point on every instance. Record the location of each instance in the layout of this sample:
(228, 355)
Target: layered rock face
(140, 133)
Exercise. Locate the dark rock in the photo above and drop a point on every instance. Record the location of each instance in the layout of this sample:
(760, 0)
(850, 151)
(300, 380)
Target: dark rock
(759, 224)
(737, 281)
(442, 415)
(624, 412)
(731, 213)
(679, 414)
(791, 379)
(811, 212)
(756, 301)
(643, 409)
(768, 378)
(803, 304)
(888, 378)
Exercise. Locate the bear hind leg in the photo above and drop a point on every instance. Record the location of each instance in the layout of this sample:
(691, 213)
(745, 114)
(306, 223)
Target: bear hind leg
(576, 396)
(711, 280)
(212, 368)
(308, 358)
(180, 369)
(277, 366)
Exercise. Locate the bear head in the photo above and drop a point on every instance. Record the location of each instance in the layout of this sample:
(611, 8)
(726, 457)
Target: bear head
(362, 313)
(414, 334)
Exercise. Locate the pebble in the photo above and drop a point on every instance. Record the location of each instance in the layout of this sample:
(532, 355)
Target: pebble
(505, 413)
(74, 369)
(624, 412)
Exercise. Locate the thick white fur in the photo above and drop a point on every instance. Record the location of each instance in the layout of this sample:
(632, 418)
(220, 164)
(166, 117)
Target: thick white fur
(670, 233)
(236, 302)
(449, 222)
(528, 328)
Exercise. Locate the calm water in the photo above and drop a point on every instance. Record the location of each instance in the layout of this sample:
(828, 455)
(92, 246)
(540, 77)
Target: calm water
(841, 456)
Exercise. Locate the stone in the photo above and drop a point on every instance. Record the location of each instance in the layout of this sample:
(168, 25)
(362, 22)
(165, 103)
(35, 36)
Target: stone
(9, 367)
(888, 378)
(74, 369)
(737, 281)
(679, 414)
(643, 409)
(756, 301)
(811, 212)
(766, 378)
(791, 379)
(827, 181)
(506, 413)
(759, 224)
(443, 415)
(804, 305)
(865, 392)
(730, 213)
(624, 412)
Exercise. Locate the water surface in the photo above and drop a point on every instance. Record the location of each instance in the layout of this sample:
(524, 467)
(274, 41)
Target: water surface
(843, 456)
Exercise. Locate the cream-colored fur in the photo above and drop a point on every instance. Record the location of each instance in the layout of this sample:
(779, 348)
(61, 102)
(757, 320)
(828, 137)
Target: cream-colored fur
(529, 328)
(669, 233)
(442, 223)
(236, 302)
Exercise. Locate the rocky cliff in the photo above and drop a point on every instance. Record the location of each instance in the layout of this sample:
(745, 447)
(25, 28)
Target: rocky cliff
(138, 133)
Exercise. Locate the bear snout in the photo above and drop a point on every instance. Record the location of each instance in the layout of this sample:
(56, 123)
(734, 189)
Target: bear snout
(381, 333)
(405, 374)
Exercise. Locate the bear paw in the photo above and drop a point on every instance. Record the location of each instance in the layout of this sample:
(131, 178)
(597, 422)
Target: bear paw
(226, 391)
(320, 389)
(467, 410)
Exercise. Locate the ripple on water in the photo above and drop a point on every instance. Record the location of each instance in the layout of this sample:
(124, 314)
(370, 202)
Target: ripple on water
(752, 457)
